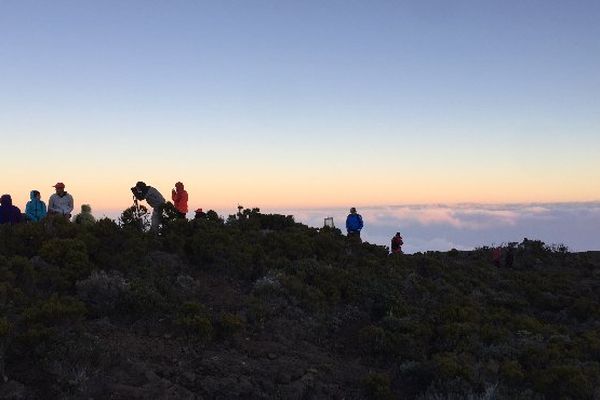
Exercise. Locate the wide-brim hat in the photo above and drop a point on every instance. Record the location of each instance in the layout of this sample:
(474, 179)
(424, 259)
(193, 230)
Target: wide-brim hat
(59, 185)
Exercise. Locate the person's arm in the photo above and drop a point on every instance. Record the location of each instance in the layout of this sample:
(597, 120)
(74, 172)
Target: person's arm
(360, 222)
(51, 206)
(70, 205)
(174, 195)
(29, 211)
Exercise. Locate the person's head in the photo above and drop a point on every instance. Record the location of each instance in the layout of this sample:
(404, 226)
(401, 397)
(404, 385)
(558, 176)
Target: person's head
(353, 210)
(179, 186)
(60, 188)
(198, 211)
(35, 195)
(85, 208)
(140, 185)
(397, 233)
(6, 200)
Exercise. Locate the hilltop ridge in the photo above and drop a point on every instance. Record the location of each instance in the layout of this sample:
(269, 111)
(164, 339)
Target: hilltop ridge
(261, 307)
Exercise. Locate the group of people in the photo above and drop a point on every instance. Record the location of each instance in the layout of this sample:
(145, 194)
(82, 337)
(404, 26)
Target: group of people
(156, 200)
(354, 224)
(60, 203)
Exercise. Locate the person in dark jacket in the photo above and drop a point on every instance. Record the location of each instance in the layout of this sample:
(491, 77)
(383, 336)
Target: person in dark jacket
(354, 223)
(9, 214)
(35, 209)
(397, 243)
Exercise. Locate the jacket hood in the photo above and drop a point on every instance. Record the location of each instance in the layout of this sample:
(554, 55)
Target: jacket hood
(85, 208)
(179, 186)
(33, 193)
(6, 200)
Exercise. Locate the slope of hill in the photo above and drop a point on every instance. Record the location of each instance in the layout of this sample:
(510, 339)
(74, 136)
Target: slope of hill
(260, 307)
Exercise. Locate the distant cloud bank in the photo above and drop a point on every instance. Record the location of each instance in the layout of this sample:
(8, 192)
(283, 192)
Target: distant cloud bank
(466, 226)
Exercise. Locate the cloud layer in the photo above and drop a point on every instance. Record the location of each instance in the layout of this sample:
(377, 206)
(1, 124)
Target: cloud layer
(466, 226)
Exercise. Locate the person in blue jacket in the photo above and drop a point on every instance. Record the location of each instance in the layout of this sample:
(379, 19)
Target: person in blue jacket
(354, 223)
(9, 214)
(35, 209)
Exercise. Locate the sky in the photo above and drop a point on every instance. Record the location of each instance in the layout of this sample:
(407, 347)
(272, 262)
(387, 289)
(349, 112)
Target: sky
(302, 104)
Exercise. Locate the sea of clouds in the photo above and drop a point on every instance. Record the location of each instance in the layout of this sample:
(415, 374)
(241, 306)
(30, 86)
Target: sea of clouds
(467, 226)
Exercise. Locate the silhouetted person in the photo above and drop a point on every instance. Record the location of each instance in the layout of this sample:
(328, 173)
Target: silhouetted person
(9, 214)
(35, 209)
(141, 191)
(85, 217)
(397, 243)
(180, 199)
(354, 224)
(61, 202)
(200, 214)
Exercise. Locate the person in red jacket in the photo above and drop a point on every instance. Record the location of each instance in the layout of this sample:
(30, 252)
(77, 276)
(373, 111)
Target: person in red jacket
(180, 199)
(397, 243)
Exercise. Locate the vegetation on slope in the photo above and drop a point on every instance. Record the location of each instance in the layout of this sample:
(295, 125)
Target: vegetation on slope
(259, 306)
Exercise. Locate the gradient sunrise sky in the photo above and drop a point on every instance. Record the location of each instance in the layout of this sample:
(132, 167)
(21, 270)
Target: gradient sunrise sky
(302, 103)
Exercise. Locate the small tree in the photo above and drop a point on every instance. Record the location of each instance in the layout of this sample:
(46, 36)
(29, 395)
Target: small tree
(136, 217)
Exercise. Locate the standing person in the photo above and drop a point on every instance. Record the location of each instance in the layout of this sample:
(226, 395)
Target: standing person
(35, 209)
(354, 223)
(141, 191)
(397, 243)
(61, 202)
(180, 199)
(9, 214)
(85, 217)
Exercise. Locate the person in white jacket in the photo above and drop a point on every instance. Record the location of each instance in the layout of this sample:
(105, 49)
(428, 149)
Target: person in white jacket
(61, 202)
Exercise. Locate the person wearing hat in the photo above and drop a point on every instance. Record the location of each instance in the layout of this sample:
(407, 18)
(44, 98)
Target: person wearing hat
(141, 191)
(61, 202)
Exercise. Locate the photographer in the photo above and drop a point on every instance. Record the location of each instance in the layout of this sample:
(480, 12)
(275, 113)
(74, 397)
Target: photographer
(141, 191)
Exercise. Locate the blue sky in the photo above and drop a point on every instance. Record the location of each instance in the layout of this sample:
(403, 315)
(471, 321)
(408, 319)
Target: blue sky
(312, 103)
